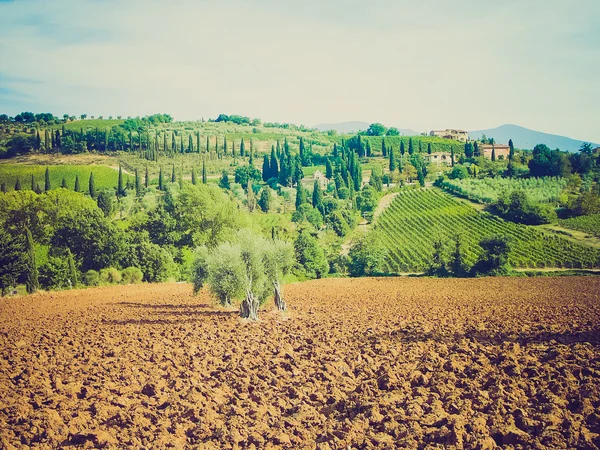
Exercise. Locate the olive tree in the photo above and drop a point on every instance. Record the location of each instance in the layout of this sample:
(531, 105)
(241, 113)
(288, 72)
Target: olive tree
(278, 258)
(249, 268)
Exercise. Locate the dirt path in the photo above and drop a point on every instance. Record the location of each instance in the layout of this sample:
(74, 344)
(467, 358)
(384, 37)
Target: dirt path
(364, 226)
(355, 363)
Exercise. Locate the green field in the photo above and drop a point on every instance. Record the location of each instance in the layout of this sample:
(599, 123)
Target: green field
(486, 190)
(104, 177)
(588, 224)
(77, 125)
(416, 217)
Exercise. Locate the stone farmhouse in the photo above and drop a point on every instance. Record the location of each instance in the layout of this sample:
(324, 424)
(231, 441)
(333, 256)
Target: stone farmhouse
(502, 151)
(455, 135)
(439, 158)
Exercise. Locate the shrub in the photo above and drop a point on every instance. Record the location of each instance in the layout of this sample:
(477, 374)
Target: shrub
(55, 274)
(91, 278)
(131, 275)
(110, 276)
(367, 256)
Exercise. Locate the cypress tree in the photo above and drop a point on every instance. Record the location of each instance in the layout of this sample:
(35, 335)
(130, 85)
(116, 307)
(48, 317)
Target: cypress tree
(452, 156)
(77, 188)
(476, 152)
(251, 160)
(38, 189)
(173, 176)
(265, 199)
(31, 281)
(242, 148)
(138, 183)
(429, 148)
(493, 153)
(38, 140)
(274, 165)
(92, 186)
(57, 139)
(72, 270)
(301, 151)
(198, 141)
(161, 183)
(224, 181)
(190, 143)
(266, 169)
(402, 150)
(193, 176)
(147, 179)
(383, 149)
(3, 187)
(46, 140)
(32, 183)
(300, 195)
(64, 183)
(173, 143)
(410, 147)
(225, 146)
(120, 188)
(204, 171)
(317, 196)
(207, 144)
(335, 150)
(18, 185)
(328, 169)
(165, 142)
(181, 142)
(420, 149)
(511, 154)
(233, 149)
(392, 160)
(47, 185)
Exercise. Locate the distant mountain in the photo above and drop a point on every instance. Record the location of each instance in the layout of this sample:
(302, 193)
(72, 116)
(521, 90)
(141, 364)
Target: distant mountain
(352, 127)
(527, 139)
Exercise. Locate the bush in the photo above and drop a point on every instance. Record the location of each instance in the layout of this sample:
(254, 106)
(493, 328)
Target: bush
(91, 278)
(367, 256)
(55, 274)
(131, 275)
(110, 276)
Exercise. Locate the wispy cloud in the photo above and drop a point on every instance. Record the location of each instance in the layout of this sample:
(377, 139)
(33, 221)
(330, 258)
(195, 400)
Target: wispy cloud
(428, 64)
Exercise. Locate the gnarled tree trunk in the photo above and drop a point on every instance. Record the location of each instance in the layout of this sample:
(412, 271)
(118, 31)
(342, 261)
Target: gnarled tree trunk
(279, 301)
(249, 306)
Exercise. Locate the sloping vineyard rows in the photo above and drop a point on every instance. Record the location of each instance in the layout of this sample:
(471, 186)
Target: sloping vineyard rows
(486, 190)
(415, 218)
(588, 224)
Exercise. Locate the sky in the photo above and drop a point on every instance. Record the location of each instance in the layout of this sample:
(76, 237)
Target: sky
(426, 64)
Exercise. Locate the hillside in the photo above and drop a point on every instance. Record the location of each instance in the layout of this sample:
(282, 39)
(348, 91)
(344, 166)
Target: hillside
(351, 127)
(527, 139)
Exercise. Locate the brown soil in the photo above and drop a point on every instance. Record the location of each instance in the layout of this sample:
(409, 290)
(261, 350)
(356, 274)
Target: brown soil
(363, 363)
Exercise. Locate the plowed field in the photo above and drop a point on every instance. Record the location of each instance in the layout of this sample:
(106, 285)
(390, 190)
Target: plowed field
(362, 363)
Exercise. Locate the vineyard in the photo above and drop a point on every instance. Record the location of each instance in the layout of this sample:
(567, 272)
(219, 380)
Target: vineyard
(486, 190)
(587, 224)
(415, 218)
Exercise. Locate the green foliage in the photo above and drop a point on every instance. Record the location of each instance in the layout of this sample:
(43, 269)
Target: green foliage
(131, 275)
(310, 256)
(494, 259)
(110, 275)
(588, 224)
(517, 206)
(55, 274)
(104, 177)
(226, 273)
(31, 272)
(409, 225)
(265, 199)
(91, 278)
(107, 201)
(367, 256)
(224, 181)
(458, 172)
(487, 190)
(11, 256)
(586, 203)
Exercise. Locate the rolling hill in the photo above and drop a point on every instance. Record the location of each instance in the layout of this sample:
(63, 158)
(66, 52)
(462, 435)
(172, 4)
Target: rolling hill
(351, 127)
(527, 139)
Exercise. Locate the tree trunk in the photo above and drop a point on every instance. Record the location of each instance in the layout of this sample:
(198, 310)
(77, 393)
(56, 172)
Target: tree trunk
(279, 301)
(249, 307)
